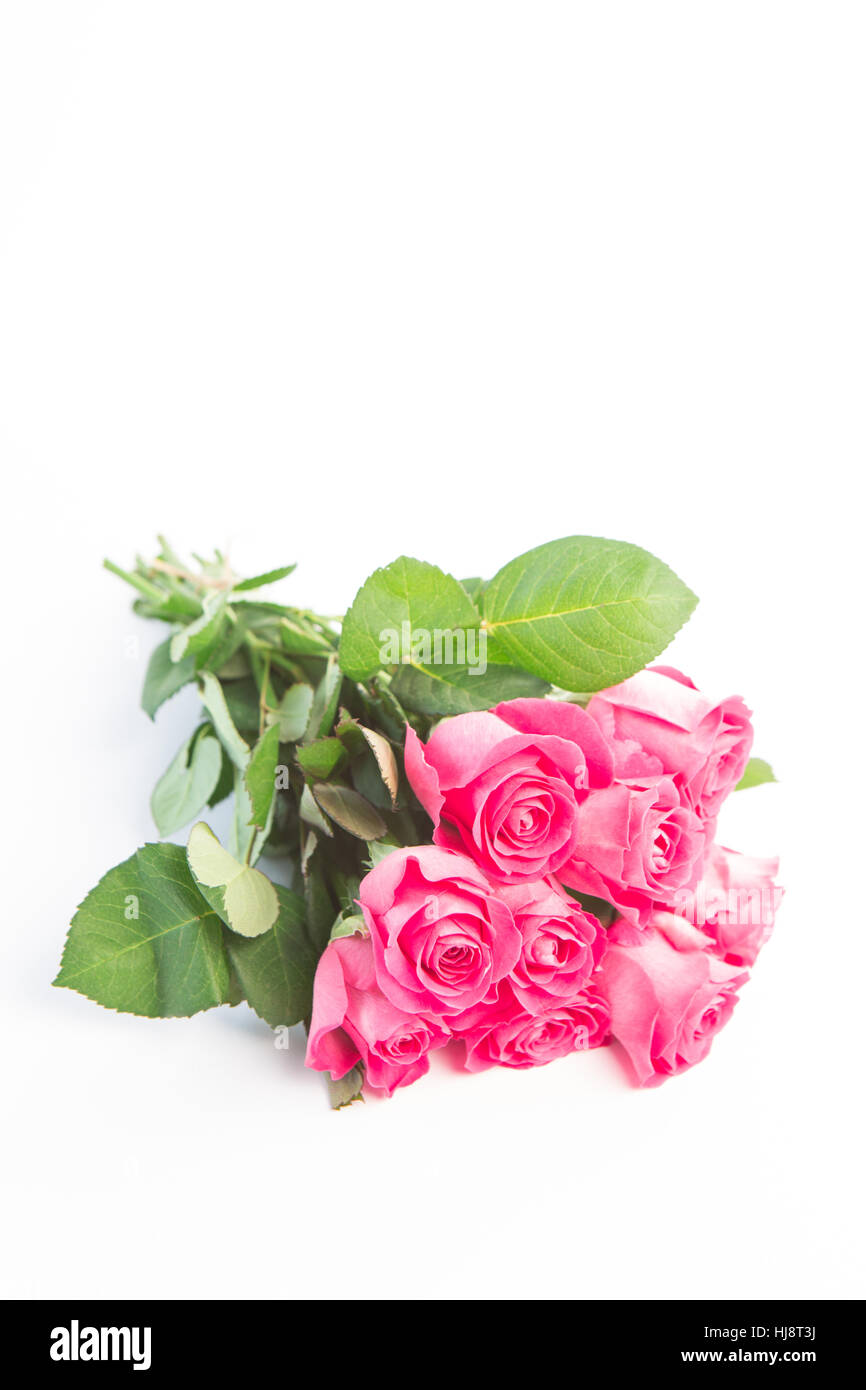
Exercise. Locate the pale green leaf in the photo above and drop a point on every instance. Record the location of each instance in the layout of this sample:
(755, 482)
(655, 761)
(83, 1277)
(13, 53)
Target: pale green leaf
(214, 702)
(200, 636)
(301, 639)
(756, 774)
(293, 713)
(377, 850)
(352, 924)
(244, 898)
(187, 784)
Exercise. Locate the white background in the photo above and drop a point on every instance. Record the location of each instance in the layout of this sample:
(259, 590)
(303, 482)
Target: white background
(330, 283)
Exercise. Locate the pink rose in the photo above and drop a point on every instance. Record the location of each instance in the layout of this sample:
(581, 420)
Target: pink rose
(667, 1003)
(562, 945)
(440, 937)
(503, 1034)
(705, 745)
(505, 786)
(735, 902)
(353, 1022)
(638, 845)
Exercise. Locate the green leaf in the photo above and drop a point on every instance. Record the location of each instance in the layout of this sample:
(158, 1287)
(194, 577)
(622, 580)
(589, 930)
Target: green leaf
(407, 591)
(350, 810)
(293, 713)
(442, 690)
(242, 896)
(246, 841)
(300, 639)
(475, 588)
(145, 941)
(347, 887)
(347, 1089)
(261, 776)
(599, 907)
(311, 815)
(320, 759)
(389, 712)
(226, 657)
(226, 782)
(188, 783)
(281, 836)
(237, 667)
(351, 924)
(757, 772)
(276, 969)
(584, 613)
(260, 580)
(358, 738)
(201, 636)
(377, 850)
(325, 701)
(259, 617)
(243, 702)
(152, 591)
(320, 908)
(214, 702)
(164, 677)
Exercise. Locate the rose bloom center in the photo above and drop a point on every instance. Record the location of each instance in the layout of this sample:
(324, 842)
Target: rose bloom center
(528, 820)
(455, 957)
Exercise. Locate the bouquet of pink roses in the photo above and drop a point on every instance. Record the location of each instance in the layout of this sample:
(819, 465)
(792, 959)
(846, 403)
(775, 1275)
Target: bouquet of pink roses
(497, 825)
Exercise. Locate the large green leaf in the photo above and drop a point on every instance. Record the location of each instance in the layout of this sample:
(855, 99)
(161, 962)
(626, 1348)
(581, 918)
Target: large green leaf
(164, 677)
(276, 969)
(188, 782)
(406, 591)
(584, 613)
(145, 941)
(441, 690)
